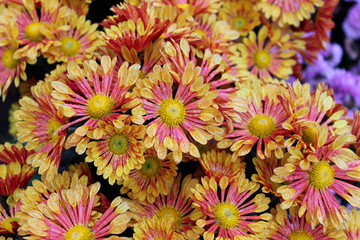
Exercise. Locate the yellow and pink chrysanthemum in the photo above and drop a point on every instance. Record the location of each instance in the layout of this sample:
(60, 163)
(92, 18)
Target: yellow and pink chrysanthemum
(261, 124)
(174, 116)
(77, 44)
(288, 12)
(308, 112)
(81, 7)
(69, 213)
(39, 126)
(133, 35)
(176, 206)
(155, 177)
(268, 55)
(155, 228)
(88, 97)
(290, 226)
(229, 208)
(36, 31)
(218, 36)
(265, 170)
(352, 230)
(314, 186)
(219, 163)
(241, 15)
(117, 150)
(14, 171)
(12, 69)
(9, 222)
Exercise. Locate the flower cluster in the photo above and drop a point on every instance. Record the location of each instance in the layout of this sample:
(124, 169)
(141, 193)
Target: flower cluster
(177, 120)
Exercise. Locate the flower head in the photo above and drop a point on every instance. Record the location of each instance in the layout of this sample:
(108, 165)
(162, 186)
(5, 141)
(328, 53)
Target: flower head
(268, 55)
(40, 122)
(175, 206)
(69, 212)
(175, 115)
(352, 230)
(291, 226)
(314, 186)
(90, 98)
(155, 228)
(14, 171)
(288, 12)
(261, 123)
(228, 208)
(118, 150)
(77, 44)
(241, 15)
(155, 177)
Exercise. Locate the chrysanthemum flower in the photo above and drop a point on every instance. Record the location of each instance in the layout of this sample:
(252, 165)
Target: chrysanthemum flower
(214, 71)
(288, 12)
(241, 15)
(14, 171)
(13, 69)
(175, 115)
(133, 34)
(13, 176)
(268, 55)
(261, 124)
(118, 150)
(290, 226)
(316, 31)
(155, 177)
(77, 44)
(265, 170)
(69, 213)
(218, 36)
(89, 97)
(227, 214)
(39, 126)
(81, 7)
(176, 206)
(36, 31)
(219, 163)
(308, 112)
(155, 228)
(352, 230)
(315, 186)
(9, 222)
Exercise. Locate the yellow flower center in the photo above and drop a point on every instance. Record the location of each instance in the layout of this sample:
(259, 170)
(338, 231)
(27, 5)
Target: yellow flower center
(171, 213)
(172, 112)
(53, 125)
(239, 23)
(33, 33)
(118, 143)
(99, 106)
(8, 224)
(8, 59)
(69, 46)
(261, 126)
(300, 235)
(79, 233)
(202, 34)
(321, 175)
(227, 215)
(262, 59)
(309, 135)
(151, 167)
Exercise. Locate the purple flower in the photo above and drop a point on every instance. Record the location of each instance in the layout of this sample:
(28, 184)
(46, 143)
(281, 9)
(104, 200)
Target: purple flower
(318, 72)
(351, 25)
(346, 87)
(332, 54)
